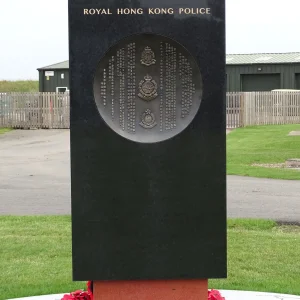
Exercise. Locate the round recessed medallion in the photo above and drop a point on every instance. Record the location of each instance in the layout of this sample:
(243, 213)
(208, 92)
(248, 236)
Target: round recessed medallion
(148, 88)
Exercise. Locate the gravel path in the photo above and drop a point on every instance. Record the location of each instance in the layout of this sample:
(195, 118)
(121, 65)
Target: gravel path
(35, 180)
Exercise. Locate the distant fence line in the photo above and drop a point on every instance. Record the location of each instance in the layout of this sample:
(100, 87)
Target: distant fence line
(52, 110)
(35, 110)
(262, 108)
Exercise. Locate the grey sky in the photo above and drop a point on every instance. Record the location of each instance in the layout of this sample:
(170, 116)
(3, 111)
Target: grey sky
(34, 33)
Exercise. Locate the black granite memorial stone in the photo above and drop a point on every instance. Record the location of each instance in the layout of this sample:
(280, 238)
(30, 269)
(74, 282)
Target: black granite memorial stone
(148, 174)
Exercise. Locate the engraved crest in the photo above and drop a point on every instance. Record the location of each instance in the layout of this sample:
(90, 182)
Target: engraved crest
(148, 88)
(148, 119)
(148, 57)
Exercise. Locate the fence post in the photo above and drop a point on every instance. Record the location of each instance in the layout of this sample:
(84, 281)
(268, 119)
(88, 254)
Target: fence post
(241, 110)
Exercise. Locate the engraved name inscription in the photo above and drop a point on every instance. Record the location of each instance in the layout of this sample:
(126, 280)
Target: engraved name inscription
(149, 11)
(131, 88)
(187, 86)
(121, 75)
(112, 85)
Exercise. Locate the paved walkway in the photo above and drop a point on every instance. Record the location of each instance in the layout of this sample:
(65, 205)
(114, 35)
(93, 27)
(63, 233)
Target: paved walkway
(263, 198)
(35, 180)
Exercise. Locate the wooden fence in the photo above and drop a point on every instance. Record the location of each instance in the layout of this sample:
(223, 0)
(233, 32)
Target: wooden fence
(52, 110)
(234, 110)
(266, 108)
(34, 110)
(262, 108)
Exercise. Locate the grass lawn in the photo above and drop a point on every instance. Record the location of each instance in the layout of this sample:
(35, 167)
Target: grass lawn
(263, 145)
(4, 130)
(19, 86)
(35, 257)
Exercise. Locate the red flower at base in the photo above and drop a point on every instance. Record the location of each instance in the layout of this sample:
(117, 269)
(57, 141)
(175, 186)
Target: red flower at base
(215, 295)
(90, 289)
(77, 295)
(81, 295)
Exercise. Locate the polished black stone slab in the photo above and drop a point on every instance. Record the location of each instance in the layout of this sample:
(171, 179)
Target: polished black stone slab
(151, 209)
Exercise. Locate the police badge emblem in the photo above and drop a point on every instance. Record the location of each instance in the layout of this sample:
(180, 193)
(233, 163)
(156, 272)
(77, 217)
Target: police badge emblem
(148, 88)
(148, 119)
(148, 57)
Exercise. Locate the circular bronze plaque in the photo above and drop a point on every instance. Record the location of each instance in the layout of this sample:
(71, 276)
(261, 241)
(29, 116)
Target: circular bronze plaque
(148, 88)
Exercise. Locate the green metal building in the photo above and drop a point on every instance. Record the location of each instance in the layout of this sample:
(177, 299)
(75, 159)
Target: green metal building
(244, 72)
(54, 78)
(262, 72)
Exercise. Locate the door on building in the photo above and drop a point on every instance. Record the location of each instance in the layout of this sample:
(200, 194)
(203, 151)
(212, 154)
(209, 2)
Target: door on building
(260, 82)
(61, 89)
(297, 81)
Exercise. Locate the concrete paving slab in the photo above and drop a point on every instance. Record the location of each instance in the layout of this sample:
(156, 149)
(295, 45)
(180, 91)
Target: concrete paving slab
(229, 295)
(294, 133)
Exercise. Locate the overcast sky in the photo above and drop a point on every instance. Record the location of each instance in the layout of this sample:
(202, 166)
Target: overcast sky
(34, 33)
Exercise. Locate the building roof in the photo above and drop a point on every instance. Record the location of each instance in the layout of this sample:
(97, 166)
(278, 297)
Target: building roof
(231, 59)
(61, 65)
(263, 58)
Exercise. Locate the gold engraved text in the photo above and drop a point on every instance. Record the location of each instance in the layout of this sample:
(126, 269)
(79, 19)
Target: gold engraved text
(149, 11)
(160, 11)
(130, 11)
(194, 11)
(97, 11)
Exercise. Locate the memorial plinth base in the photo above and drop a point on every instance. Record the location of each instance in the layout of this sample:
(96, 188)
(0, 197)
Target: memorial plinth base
(151, 290)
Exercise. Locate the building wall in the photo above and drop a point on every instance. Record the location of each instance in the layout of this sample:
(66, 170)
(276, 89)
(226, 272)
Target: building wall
(297, 77)
(288, 77)
(49, 84)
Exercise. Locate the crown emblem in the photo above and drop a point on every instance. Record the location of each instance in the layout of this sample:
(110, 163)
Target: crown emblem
(148, 88)
(148, 57)
(148, 119)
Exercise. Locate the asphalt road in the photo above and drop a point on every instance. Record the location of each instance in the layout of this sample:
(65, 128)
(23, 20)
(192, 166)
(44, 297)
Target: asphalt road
(35, 180)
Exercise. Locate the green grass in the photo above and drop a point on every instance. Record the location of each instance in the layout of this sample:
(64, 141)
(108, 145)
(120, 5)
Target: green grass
(264, 145)
(35, 257)
(19, 86)
(4, 130)
(262, 257)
